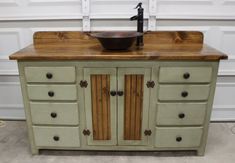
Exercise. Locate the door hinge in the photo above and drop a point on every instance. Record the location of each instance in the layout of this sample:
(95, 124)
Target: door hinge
(83, 83)
(147, 132)
(150, 84)
(86, 132)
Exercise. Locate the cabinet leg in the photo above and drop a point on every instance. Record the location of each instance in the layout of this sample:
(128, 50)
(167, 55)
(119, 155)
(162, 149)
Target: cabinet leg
(34, 151)
(201, 152)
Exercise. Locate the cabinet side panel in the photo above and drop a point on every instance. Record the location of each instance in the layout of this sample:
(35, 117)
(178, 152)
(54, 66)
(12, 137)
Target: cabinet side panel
(34, 149)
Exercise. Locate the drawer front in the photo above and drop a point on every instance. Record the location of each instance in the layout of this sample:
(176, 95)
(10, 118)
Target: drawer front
(185, 74)
(183, 92)
(174, 137)
(50, 74)
(56, 136)
(180, 113)
(54, 113)
(52, 92)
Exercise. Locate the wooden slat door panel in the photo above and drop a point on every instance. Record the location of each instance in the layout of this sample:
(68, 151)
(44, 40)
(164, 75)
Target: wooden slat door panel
(100, 107)
(133, 105)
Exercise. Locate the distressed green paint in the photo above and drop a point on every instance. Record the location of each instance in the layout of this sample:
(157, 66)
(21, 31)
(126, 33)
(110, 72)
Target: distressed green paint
(152, 104)
(59, 74)
(176, 74)
(81, 108)
(41, 113)
(168, 114)
(201, 149)
(68, 136)
(61, 92)
(166, 137)
(121, 86)
(34, 148)
(174, 92)
(82, 100)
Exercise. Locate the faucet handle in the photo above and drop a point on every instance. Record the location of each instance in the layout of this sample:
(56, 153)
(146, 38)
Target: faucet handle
(139, 5)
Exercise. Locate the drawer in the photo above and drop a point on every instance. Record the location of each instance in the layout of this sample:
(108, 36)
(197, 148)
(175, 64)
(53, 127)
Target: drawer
(52, 92)
(183, 92)
(185, 74)
(54, 113)
(175, 137)
(56, 136)
(50, 74)
(180, 113)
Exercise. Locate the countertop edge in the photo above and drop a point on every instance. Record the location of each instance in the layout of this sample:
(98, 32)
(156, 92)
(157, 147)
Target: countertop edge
(24, 55)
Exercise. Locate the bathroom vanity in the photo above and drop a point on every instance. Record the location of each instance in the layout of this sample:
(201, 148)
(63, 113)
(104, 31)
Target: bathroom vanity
(78, 96)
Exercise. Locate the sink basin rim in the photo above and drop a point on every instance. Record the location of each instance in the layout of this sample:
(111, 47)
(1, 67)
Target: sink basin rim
(116, 34)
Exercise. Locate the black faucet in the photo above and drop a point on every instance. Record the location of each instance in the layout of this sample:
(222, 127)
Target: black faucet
(140, 23)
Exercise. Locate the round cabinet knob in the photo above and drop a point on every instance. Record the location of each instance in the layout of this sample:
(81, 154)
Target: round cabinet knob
(51, 93)
(179, 139)
(120, 93)
(186, 75)
(181, 115)
(56, 138)
(184, 94)
(49, 75)
(113, 93)
(53, 115)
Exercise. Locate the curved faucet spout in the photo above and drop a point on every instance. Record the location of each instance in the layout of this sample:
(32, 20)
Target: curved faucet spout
(134, 18)
(139, 5)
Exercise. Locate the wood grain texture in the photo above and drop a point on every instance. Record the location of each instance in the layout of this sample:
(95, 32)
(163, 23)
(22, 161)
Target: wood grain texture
(133, 107)
(45, 38)
(80, 46)
(139, 105)
(100, 107)
(72, 37)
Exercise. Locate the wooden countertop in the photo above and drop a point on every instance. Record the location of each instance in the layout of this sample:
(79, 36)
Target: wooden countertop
(80, 46)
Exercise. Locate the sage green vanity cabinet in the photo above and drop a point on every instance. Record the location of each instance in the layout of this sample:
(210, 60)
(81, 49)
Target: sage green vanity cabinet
(78, 96)
(119, 105)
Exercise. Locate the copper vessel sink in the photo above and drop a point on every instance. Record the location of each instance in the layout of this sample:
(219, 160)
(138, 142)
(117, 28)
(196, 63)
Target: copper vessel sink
(116, 40)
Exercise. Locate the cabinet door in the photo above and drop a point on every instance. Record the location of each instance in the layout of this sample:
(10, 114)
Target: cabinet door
(100, 106)
(133, 106)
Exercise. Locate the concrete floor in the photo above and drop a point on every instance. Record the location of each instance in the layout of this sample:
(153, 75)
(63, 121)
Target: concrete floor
(14, 148)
